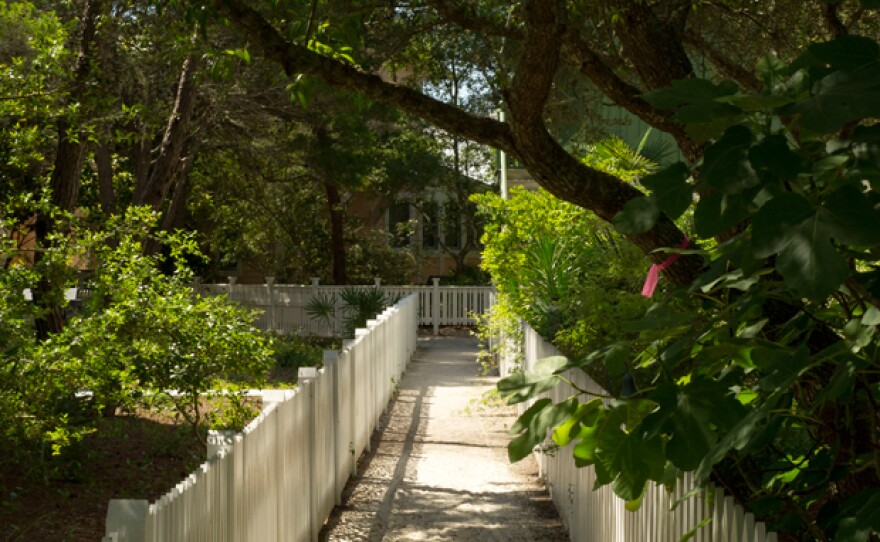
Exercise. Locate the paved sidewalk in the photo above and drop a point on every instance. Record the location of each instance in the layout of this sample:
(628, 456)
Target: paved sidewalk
(439, 468)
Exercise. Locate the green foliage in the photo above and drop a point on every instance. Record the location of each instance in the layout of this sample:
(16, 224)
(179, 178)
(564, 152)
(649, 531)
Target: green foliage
(322, 308)
(362, 304)
(763, 372)
(293, 352)
(560, 267)
(139, 334)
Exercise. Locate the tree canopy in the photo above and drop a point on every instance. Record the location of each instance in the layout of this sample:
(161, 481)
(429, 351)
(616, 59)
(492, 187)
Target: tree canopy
(766, 352)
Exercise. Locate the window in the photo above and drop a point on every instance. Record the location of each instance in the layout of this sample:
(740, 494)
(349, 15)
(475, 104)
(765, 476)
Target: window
(430, 225)
(451, 226)
(399, 227)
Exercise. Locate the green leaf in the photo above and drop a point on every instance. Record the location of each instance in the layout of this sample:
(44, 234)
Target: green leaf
(809, 263)
(696, 104)
(717, 213)
(757, 103)
(773, 160)
(726, 166)
(839, 98)
(671, 189)
(790, 226)
(871, 316)
(841, 382)
(852, 217)
(638, 216)
(688, 92)
(690, 414)
(586, 415)
(734, 439)
(525, 385)
(634, 459)
(534, 424)
(771, 223)
(858, 517)
(845, 52)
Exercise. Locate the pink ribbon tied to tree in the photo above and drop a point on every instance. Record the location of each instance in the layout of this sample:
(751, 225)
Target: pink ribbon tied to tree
(654, 272)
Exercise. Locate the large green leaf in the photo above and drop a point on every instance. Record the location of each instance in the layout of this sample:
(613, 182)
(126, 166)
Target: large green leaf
(534, 424)
(637, 460)
(845, 52)
(852, 217)
(771, 224)
(726, 166)
(690, 414)
(791, 227)
(688, 92)
(717, 213)
(773, 160)
(525, 385)
(840, 97)
(696, 104)
(858, 517)
(670, 189)
(734, 439)
(586, 415)
(638, 216)
(810, 264)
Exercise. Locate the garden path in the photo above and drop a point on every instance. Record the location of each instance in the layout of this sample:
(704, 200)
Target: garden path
(439, 468)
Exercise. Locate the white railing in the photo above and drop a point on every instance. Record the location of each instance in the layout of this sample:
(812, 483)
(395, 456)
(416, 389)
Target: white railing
(600, 515)
(283, 306)
(280, 478)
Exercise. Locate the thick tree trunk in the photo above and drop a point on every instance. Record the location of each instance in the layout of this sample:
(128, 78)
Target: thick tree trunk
(337, 232)
(155, 189)
(104, 172)
(64, 181)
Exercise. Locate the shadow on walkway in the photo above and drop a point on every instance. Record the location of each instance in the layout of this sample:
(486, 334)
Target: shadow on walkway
(439, 469)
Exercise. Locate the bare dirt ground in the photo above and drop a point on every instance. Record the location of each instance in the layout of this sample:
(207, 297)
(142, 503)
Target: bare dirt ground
(438, 469)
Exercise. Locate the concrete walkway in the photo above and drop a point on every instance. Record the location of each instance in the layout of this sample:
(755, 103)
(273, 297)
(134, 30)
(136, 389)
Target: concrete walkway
(439, 469)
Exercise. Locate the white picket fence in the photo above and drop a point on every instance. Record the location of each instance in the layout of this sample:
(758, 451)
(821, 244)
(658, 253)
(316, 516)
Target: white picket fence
(283, 306)
(282, 475)
(600, 515)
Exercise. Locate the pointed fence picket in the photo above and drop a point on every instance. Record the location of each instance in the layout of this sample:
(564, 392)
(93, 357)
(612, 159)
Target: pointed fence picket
(664, 516)
(283, 307)
(282, 475)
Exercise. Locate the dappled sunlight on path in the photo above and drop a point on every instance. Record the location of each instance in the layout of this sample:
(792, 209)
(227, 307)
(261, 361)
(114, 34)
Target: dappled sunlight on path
(439, 468)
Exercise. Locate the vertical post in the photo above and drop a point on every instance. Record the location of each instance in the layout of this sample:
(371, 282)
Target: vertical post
(129, 515)
(316, 281)
(331, 364)
(232, 280)
(503, 165)
(306, 378)
(273, 324)
(377, 281)
(435, 305)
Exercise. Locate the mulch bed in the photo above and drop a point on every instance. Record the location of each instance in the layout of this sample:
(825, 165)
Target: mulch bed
(131, 456)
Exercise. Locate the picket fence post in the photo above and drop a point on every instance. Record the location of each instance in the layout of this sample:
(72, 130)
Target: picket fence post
(306, 378)
(127, 517)
(435, 305)
(331, 364)
(273, 322)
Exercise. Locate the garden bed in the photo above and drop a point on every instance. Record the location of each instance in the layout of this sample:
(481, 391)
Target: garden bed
(132, 455)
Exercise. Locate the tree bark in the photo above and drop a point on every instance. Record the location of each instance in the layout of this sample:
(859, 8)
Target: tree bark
(154, 191)
(64, 181)
(550, 165)
(104, 172)
(337, 231)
